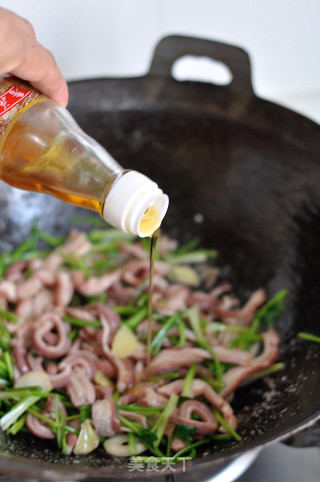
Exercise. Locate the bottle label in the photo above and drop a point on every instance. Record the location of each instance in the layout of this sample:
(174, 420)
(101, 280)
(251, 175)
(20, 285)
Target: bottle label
(15, 95)
(12, 97)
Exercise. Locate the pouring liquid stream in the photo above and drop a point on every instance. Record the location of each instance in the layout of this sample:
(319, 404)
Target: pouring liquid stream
(153, 244)
(151, 223)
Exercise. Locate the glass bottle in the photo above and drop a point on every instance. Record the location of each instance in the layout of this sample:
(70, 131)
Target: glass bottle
(43, 149)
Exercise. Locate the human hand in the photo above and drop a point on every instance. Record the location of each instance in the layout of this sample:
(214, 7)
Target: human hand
(21, 55)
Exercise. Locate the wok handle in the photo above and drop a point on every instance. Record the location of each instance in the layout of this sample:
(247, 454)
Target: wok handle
(173, 47)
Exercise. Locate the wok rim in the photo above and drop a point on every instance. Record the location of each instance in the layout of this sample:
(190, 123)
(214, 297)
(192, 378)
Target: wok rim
(51, 471)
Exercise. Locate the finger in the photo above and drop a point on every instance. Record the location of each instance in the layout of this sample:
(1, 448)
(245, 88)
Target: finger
(23, 56)
(40, 69)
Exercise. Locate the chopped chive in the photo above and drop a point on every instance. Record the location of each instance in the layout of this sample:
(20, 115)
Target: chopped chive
(139, 296)
(110, 234)
(182, 333)
(221, 436)
(169, 443)
(190, 447)
(124, 310)
(22, 392)
(186, 247)
(132, 443)
(144, 437)
(218, 366)
(69, 429)
(273, 308)
(135, 319)
(19, 409)
(72, 417)
(246, 338)
(308, 336)
(78, 322)
(217, 385)
(101, 266)
(220, 419)
(9, 316)
(73, 334)
(64, 445)
(29, 244)
(185, 433)
(162, 422)
(162, 333)
(164, 376)
(135, 427)
(103, 247)
(187, 383)
(45, 419)
(58, 425)
(193, 316)
(48, 238)
(218, 326)
(143, 410)
(255, 326)
(4, 337)
(34, 254)
(199, 256)
(8, 362)
(85, 412)
(75, 262)
(276, 367)
(18, 425)
(102, 298)
(143, 298)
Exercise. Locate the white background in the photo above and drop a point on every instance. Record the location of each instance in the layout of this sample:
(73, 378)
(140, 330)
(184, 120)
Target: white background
(116, 38)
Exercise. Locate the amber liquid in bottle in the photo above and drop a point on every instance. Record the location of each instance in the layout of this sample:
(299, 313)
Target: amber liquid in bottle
(37, 155)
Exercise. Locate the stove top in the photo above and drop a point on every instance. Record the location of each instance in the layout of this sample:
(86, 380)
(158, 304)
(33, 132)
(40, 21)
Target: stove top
(286, 464)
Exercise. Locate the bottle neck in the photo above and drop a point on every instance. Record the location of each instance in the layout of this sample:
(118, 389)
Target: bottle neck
(135, 204)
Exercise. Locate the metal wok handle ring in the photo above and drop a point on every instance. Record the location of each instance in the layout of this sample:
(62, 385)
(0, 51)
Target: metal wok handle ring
(173, 47)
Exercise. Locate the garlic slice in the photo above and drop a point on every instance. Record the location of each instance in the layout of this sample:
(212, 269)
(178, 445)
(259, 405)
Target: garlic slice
(124, 342)
(101, 379)
(185, 275)
(34, 379)
(118, 446)
(88, 439)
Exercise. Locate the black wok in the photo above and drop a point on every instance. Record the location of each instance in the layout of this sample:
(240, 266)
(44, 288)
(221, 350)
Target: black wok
(252, 169)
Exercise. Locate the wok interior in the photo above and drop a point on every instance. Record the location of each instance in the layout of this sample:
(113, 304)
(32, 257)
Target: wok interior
(258, 197)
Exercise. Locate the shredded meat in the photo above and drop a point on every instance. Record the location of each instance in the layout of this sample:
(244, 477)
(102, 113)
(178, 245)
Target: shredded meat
(79, 388)
(234, 376)
(105, 418)
(171, 359)
(42, 328)
(205, 426)
(199, 387)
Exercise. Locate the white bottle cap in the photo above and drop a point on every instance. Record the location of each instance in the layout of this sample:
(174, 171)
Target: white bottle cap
(128, 200)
